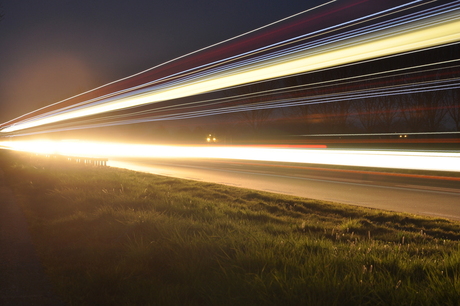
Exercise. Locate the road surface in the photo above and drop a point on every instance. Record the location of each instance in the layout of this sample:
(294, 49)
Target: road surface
(402, 193)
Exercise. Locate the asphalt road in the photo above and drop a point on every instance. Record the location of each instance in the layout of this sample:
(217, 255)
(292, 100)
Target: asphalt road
(402, 193)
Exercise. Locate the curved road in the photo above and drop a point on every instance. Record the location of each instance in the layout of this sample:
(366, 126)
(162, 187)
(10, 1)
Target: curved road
(403, 193)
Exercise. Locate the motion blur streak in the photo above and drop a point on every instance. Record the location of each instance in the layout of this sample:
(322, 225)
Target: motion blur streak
(406, 36)
(438, 161)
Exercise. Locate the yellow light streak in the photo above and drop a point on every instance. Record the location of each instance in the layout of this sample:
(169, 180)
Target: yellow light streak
(437, 30)
(437, 161)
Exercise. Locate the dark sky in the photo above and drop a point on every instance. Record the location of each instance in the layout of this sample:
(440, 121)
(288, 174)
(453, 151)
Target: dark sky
(53, 49)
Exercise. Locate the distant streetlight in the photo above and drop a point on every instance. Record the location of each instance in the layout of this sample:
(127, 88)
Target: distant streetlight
(211, 138)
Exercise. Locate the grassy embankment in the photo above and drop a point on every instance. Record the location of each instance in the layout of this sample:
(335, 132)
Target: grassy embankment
(117, 237)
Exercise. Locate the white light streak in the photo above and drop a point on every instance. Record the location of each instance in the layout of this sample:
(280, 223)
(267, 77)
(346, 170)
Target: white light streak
(436, 161)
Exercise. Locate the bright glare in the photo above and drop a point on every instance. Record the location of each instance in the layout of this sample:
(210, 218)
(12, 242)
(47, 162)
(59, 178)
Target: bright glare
(441, 161)
(430, 32)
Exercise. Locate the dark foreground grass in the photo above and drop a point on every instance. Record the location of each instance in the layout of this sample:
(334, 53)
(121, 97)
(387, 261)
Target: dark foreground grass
(117, 237)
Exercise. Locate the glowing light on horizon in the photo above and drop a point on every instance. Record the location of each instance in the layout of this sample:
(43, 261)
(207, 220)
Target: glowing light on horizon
(436, 161)
(436, 30)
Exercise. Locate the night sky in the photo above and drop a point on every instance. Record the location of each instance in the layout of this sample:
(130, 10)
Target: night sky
(53, 49)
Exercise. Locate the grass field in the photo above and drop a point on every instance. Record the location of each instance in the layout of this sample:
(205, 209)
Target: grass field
(116, 237)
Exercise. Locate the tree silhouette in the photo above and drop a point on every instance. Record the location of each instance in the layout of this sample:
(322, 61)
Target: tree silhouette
(255, 119)
(424, 112)
(335, 115)
(377, 114)
(453, 98)
(368, 111)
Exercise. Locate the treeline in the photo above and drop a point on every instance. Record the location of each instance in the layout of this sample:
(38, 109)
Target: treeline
(420, 112)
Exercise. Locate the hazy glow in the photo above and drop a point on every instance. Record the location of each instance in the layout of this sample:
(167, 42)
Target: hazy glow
(442, 161)
(433, 31)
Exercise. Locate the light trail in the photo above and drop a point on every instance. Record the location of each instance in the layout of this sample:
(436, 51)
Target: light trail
(113, 93)
(433, 161)
(440, 28)
(380, 134)
(185, 111)
(152, 69)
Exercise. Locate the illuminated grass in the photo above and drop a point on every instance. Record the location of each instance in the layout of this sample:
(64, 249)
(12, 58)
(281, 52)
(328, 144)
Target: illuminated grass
(117, 237)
